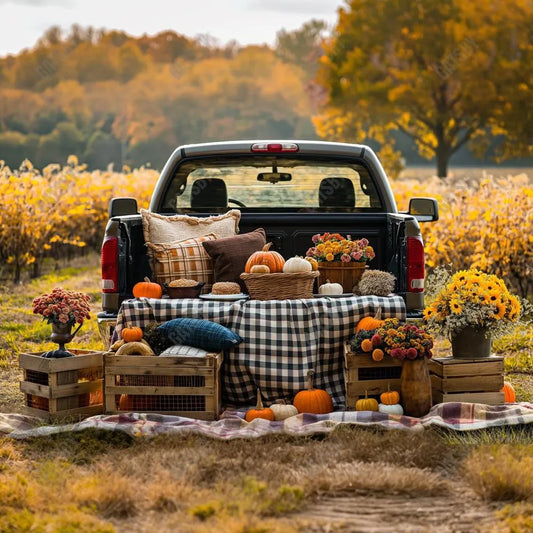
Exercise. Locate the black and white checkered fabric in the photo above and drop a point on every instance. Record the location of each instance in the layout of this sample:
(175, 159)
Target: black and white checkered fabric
(283, 339)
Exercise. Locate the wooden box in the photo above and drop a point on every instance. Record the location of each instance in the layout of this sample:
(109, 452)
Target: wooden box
(467, 380)
(63, 389)
(364, 375)
(184, 386)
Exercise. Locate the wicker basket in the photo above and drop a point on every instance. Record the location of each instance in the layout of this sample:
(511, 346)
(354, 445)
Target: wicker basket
(280, 285)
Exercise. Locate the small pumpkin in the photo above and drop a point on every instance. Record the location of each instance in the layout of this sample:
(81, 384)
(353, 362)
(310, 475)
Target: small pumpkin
(317, 401)
(259, 269)
(147, 289)
(370, 322)
(390, 409)
(366, 404)
(510, 394)
(283, 410)
(366, 345)
(314, 263)
(390, 397)
(270, 258)
(377, 354)
(330, 288)
(132, 334)
(297, 264)
(259, 411)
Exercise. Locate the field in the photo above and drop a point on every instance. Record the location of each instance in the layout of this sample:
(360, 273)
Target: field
(352, 479)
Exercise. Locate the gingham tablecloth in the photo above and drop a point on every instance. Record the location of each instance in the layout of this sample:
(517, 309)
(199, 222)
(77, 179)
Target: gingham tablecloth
(283, 339)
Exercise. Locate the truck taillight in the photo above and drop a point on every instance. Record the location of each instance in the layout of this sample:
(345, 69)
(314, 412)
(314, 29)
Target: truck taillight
(110, 264)
(415, 264)
(274, 147)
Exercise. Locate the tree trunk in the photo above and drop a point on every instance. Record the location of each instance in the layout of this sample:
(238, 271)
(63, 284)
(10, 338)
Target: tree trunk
(442, 154)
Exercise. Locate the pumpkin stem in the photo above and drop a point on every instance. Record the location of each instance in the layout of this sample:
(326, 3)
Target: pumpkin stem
(310, 374)
(259, 401)
(267, 246)
(147, 280)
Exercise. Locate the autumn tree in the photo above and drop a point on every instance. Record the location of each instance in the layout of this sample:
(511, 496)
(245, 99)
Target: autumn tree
(444, 73)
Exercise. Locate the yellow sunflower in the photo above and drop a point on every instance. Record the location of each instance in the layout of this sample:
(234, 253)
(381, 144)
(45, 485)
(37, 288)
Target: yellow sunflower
(499, 312)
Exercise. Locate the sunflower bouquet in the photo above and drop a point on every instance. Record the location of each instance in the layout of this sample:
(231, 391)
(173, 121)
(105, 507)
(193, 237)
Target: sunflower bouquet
(471, 298)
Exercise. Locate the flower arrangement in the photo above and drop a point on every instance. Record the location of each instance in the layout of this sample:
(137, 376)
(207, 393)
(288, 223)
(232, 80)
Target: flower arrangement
(470, 298)
(63, 306)
(335, 247)
(400, 341)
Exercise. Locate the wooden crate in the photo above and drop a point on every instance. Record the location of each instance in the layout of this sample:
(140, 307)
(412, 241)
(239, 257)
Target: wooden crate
(364, 375)
(184, 386)
(63, 389)
(467, 380)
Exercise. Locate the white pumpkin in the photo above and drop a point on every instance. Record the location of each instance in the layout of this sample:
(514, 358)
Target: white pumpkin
(283, 410)
(330, 288)
(394, 409)
(297, 264)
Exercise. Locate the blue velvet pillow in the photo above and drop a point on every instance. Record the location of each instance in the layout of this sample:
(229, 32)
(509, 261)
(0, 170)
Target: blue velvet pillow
(203, 334)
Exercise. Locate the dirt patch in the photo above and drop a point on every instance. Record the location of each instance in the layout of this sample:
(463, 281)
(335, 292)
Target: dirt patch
(378, 513)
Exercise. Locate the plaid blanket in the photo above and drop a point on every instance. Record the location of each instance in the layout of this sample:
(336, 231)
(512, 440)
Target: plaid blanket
(283, 339)
(454, 416)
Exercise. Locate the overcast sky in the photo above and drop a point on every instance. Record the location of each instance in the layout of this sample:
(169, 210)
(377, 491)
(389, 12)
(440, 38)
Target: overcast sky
(246, 21)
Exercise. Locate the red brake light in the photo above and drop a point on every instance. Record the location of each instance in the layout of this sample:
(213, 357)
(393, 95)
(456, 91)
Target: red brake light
(415, 264)
(274, 147)
(110, 264)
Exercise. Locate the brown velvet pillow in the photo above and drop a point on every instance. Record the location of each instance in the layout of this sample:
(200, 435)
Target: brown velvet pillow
(230, 254)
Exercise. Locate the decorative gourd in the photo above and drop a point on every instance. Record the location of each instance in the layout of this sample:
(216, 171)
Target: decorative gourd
(147, 289)
(366, 345)
(390, 397)
(330, 288)
(510, 394)
(377, 354)
(370, 322)
(314, 263)
(259, 269)
(312, 400)
(391, 409)
(366, 404)
(271, 259)
(259, 411)
(132, 334)
(297, 264)
(283, 410)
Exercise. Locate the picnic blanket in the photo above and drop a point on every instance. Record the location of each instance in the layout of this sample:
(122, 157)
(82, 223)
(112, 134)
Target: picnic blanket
(283, 339)
(453, 416)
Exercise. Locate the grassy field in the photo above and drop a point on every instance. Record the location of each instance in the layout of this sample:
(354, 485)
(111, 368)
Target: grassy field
(353, 479)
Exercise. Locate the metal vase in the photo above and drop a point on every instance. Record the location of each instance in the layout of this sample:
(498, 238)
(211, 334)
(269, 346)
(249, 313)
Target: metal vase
(471, 343)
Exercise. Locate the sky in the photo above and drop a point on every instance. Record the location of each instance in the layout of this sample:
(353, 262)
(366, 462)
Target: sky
(245, 21)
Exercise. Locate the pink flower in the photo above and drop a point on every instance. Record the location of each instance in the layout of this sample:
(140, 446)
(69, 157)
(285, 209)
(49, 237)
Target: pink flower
(345, 258)
(376, 340)
(63, 318)
(411, 353)
(357, 255)
(315, 238)
(398, 353)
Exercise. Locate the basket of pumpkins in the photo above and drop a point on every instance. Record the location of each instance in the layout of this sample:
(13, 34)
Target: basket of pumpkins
(268, 276)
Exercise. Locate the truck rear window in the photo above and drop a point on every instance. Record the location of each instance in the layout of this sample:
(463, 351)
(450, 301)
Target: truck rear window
(276, 183)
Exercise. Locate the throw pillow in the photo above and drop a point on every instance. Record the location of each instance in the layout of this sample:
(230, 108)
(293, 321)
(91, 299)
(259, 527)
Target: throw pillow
(182, 259)
(199, 333)
(159, 228)
(230, 254)
(182, 350)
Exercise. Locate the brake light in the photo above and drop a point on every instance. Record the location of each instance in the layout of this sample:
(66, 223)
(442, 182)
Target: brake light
(415, 264)
(274, 147)
(110, 264)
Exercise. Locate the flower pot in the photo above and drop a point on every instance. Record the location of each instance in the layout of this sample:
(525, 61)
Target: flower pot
(415, 387)
(471, 343)
(347, 274)
(61, 334)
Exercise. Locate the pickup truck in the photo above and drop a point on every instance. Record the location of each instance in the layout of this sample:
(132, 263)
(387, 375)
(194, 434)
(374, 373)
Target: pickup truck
(293, 189)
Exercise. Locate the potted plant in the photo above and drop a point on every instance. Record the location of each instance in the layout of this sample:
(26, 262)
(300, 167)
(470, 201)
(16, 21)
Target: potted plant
(471, 308)
(340, 259)
(62, 309)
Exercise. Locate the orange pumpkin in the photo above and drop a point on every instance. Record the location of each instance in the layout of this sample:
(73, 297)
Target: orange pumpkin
(260, 411)
(391, 397)
(370, 322)
(314, 263)
(271, 259)
(367, 404)
(147, 289)
(510, 394)
(132, 334)
(313, 400)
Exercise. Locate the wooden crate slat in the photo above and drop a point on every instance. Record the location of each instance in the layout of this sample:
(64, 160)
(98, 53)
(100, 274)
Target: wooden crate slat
(449, 367)
(161, 391)
(35, 389)
(83, 359)
(364, 360)
(468, 383)
(119, 361)
(489, 398)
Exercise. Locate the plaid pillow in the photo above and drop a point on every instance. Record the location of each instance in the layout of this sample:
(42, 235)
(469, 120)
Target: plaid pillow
(182, 259)
(199, 333)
